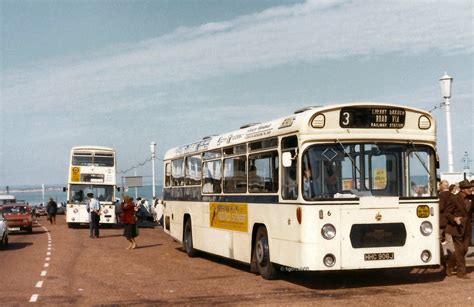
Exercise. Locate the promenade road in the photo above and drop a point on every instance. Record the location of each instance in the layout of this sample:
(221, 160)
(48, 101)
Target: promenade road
(82, 271)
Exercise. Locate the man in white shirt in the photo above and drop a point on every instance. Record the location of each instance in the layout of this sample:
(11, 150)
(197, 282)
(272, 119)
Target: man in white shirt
(94, 212)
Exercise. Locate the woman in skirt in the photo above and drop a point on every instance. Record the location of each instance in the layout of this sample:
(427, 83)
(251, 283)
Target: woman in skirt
(128, 219)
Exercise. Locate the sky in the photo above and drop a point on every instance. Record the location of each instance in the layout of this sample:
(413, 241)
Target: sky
(126, 73)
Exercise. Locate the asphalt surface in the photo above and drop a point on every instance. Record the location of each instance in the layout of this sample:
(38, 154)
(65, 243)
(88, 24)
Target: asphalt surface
(82, 271)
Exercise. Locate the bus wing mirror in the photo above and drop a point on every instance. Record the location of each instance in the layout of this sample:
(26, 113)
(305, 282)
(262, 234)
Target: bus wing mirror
(118, 189)
(64, 189)
(286, 159)
(437, 162)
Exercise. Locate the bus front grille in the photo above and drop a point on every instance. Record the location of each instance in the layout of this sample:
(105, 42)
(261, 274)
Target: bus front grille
(378, 235)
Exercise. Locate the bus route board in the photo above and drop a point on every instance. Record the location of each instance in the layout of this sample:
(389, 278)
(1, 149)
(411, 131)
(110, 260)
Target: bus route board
(372, 117)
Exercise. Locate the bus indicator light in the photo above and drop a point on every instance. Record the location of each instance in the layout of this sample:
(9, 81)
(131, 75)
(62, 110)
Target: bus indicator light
(423, 211)
(298, 215)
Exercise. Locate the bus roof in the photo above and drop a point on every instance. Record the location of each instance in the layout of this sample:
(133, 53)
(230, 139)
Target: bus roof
(92, 148)
(281, 126)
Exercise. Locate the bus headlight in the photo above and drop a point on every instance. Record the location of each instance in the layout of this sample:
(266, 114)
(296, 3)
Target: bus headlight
(426, 228)
(106, 211)
(75, 210)
(328, 231)
(425, 256)
(329, 260)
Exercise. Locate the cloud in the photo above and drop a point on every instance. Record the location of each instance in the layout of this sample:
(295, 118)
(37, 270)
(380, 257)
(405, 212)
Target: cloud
(300, 33)
(93, 97)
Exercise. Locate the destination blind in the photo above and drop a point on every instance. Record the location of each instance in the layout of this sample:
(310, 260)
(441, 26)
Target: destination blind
(372, 117)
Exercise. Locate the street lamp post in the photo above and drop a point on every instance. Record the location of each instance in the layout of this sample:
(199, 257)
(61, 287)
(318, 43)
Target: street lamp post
(153, 157)
(446, 83)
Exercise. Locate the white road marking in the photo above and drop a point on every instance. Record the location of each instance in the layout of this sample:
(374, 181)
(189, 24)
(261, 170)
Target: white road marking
(39, 284)
(33, 298)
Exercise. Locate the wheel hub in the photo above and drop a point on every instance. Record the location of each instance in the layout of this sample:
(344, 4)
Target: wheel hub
(261, 251)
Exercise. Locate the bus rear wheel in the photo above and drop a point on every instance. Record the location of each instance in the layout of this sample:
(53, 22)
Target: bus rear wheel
(262, 255)
(188, 239)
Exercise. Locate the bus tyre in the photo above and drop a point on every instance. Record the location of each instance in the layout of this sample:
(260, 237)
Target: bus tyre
(188, 239)
(70, 225)
(29, 229)
(262, 255)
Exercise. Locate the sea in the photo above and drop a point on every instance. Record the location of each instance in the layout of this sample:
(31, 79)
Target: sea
(34, 194)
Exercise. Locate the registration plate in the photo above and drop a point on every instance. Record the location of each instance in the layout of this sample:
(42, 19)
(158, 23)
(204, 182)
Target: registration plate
(379, 256)
(14, 228)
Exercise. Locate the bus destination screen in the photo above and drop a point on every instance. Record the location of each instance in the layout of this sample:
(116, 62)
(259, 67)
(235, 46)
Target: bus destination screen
(372, 117)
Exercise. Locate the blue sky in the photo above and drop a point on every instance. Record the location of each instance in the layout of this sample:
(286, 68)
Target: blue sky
(125, 73)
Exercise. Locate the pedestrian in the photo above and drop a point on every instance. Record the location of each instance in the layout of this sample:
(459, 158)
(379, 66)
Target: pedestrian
(118, 211)
(446, 240)
(94, 214)
(444, 196)
(128, 219)
(52, 209)
(458, 213)
(454, 189)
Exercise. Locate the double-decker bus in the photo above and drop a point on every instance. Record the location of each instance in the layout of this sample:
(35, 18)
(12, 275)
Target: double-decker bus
(349, 186)
(92, 169)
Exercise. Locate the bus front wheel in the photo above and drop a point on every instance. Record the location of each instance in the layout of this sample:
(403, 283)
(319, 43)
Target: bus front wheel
(188, 239)
(262, 255)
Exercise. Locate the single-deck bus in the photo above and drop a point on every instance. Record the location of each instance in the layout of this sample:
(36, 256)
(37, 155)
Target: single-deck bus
(350, 186)
(92, 169)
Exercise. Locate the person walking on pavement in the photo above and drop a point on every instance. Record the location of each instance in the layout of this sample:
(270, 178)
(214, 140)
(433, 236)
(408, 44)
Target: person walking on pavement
(459, 227)
(128, 219)
(94, 213)
(52, 209)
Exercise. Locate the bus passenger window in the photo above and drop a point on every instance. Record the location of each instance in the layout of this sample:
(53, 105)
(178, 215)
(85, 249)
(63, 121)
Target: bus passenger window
(263, 172)
(177, 173)
(193, 170)
(167, 175)
(235, 177)
(211, 177)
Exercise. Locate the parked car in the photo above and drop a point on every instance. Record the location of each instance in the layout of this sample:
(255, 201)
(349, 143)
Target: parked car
(19, 217)
(3, 231)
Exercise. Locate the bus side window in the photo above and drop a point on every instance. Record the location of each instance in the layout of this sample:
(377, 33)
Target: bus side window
(211, 177)
(167, 174)
(177, 172)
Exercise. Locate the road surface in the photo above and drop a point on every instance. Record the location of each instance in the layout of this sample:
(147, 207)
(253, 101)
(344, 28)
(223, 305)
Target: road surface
(59, 266)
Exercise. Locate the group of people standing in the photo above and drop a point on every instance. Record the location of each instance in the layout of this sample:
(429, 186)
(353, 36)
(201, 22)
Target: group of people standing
(128, 213)
(456, 210)
(127, 217)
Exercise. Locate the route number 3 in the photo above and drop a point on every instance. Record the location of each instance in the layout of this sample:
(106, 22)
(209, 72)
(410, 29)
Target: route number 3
(345, 118)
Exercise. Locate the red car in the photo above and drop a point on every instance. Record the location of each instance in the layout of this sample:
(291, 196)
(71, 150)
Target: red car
(19, 217)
